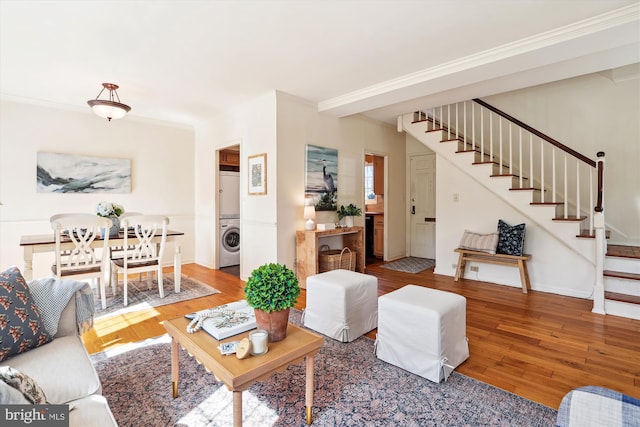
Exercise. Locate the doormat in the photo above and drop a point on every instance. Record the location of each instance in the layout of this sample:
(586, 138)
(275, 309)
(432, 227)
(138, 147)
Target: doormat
(410, 264)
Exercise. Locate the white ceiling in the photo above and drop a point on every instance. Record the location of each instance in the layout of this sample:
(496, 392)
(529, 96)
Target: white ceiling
(181, 61)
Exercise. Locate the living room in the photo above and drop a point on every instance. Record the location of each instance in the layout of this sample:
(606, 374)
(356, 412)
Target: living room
(173, 162)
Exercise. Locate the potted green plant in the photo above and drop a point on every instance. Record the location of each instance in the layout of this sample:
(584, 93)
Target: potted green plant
(348, 213)
(272, 289)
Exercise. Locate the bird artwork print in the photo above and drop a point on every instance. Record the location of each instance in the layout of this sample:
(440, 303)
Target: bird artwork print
(321, 183)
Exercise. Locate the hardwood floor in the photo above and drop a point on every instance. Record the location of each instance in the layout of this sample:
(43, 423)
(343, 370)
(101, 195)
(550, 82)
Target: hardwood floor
(539, 345)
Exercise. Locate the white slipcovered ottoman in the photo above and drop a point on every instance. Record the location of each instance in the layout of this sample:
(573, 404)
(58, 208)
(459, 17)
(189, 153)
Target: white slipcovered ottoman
(341, 304)
(423, 331)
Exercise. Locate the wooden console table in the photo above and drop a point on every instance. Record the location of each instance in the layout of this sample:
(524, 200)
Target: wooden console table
(309, 242)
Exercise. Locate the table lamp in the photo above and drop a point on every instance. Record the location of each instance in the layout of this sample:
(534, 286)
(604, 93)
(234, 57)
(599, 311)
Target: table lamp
(309, 214)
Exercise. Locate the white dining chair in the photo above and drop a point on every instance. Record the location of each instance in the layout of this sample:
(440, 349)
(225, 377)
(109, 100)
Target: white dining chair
(142, 250)
(116, 252)
(75, 251)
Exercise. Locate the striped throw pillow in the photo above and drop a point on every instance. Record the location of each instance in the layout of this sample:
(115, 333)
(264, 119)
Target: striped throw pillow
(479, 242)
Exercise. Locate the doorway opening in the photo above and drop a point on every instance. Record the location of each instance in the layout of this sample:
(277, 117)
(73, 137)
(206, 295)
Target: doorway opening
(374, 188)
(228, 207)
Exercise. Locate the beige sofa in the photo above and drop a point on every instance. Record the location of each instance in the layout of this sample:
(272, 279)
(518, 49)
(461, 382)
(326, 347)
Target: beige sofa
(63, 369)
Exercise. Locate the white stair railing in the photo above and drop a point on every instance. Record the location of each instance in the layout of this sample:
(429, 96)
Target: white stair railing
(558, 174)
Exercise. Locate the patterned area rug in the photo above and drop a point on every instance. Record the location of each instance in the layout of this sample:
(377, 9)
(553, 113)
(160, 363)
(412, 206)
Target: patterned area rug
(141, 297)
(410, 264)
(352, 388)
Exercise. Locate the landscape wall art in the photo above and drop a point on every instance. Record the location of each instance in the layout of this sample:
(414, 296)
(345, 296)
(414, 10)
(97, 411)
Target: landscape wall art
(70, 173)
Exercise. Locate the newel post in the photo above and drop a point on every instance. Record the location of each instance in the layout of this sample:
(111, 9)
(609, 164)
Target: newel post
(601, 243)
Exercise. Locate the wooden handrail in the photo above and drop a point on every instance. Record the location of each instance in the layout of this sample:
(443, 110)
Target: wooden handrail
(539, 134)
(599, 207)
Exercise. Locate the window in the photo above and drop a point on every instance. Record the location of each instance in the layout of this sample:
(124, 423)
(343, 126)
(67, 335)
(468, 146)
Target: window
(368, 180)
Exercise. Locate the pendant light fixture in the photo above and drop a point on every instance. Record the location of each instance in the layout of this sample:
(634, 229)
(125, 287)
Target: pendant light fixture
(110, 108)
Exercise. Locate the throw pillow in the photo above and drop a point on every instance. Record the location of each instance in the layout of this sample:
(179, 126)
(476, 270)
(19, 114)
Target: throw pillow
(511, 240)
(21, 327)
(479, 242)
(24, 384)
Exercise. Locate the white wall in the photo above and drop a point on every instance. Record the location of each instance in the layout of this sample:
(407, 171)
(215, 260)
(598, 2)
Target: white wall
(212, 135)
(281, 126)
(300, 124)
(259, 234)
(479, 210)
(362, 135)
(161, 168)
(253, 127)
(589, 114)
(592, 113)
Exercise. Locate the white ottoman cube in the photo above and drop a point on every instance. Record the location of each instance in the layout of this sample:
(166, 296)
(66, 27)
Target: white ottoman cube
(423, 331)
(341, 304)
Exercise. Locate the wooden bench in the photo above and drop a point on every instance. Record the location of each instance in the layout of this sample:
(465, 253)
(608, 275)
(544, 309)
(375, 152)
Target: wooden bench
(501, 259)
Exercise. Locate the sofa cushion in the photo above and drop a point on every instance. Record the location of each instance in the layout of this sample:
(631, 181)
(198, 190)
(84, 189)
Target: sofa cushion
(24, 384)
(91, 411)
(511, 238)
(21, 327)
(62, 368)
(11, 396)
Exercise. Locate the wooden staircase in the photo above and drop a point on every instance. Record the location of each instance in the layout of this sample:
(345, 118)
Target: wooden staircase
(622, 263)
(622, 280)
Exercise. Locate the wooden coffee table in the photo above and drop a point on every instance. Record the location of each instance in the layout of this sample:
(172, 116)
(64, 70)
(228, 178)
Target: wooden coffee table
(236, 374)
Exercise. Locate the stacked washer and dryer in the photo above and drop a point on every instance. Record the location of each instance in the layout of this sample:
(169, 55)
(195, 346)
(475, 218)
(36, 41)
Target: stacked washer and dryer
(229, 218)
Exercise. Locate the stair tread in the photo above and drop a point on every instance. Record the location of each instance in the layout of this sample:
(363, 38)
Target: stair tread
(512, 175)
(623, 251)
(571, 219)
(588, 235)
(613, 296)
(622, 274)
(546, 203)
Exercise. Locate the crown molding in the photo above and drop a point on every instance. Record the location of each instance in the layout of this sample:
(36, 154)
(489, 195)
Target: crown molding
(586, 27)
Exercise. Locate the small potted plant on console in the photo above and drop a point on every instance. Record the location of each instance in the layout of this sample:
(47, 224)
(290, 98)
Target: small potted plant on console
(348, 213)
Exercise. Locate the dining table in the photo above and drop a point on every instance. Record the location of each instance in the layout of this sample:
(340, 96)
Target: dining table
(43, 243)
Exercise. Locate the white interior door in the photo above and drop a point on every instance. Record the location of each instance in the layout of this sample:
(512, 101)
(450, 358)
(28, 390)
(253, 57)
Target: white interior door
(423, 206)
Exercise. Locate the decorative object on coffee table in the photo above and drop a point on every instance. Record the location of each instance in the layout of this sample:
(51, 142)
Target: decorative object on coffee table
(272, 289)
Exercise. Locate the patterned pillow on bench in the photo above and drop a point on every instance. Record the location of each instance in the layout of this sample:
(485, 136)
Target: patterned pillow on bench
(511, 239)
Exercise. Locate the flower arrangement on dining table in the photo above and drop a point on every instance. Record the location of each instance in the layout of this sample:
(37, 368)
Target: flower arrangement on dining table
(112, 211)
(107, 209)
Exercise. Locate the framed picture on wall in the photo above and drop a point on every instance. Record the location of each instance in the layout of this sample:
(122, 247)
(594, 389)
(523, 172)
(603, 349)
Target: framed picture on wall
(321, 177)
(72, 173)
(257, 174)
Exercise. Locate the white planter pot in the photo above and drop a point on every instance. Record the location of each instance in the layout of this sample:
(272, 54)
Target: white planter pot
(348, 220)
